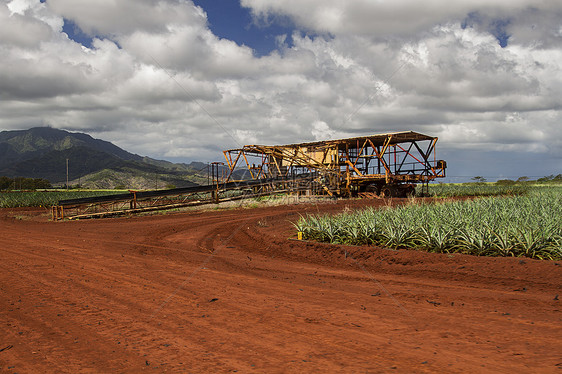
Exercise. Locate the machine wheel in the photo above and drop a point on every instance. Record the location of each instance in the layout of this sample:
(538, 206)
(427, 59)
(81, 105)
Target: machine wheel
(373, 188)
(410, 191)
(386, 192)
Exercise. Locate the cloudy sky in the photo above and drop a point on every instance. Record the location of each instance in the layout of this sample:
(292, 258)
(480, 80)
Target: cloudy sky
(183, 80)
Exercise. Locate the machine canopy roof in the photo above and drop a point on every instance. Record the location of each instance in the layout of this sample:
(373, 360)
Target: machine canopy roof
(377, 140)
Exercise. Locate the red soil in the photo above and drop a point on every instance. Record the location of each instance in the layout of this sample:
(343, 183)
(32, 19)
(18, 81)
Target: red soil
(226, 291)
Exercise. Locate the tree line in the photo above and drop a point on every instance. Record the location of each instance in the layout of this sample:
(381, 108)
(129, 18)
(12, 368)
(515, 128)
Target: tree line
(20, 183)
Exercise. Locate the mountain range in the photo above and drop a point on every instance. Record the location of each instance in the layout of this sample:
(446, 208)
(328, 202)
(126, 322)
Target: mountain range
(42, 152)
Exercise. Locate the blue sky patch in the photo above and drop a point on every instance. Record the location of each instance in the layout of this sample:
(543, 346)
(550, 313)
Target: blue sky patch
(75, 33)
(228, 20)
(497, 27)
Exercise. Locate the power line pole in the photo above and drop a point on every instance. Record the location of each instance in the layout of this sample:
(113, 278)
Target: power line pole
(67, 174)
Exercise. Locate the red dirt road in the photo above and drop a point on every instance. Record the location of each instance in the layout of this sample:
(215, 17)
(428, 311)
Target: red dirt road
(226, 291)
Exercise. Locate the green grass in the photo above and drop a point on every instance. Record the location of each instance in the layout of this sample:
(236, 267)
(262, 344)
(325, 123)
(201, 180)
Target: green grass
(476, 189)
(17, 199)
(522, 226)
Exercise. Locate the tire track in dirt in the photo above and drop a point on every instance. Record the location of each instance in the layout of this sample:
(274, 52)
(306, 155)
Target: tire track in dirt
(261, 303)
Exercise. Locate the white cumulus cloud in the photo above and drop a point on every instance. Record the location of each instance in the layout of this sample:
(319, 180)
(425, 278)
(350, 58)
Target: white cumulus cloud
(484, 75)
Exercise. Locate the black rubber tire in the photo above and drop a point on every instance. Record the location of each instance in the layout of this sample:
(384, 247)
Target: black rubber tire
(409, 191)
(386, 192)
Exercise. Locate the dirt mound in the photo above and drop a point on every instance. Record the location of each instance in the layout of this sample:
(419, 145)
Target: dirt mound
(226, 291)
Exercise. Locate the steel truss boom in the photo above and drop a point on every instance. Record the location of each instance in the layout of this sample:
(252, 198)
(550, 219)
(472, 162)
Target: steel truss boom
(346, 167)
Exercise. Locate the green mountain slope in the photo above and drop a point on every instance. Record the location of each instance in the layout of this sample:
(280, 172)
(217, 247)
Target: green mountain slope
(43, 152)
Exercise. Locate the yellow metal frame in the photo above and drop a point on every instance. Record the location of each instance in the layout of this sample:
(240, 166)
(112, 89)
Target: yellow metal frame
(346, 166)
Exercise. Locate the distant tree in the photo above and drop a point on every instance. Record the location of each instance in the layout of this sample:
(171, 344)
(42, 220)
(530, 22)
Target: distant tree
(479, 179)
(41, 183)
(6, 183)
(522, 179)
(545, 179)
(505, 182)
(550, 178)
(20, 183)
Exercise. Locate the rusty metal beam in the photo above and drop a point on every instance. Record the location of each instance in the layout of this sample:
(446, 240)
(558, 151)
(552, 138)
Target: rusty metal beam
(337, 161)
